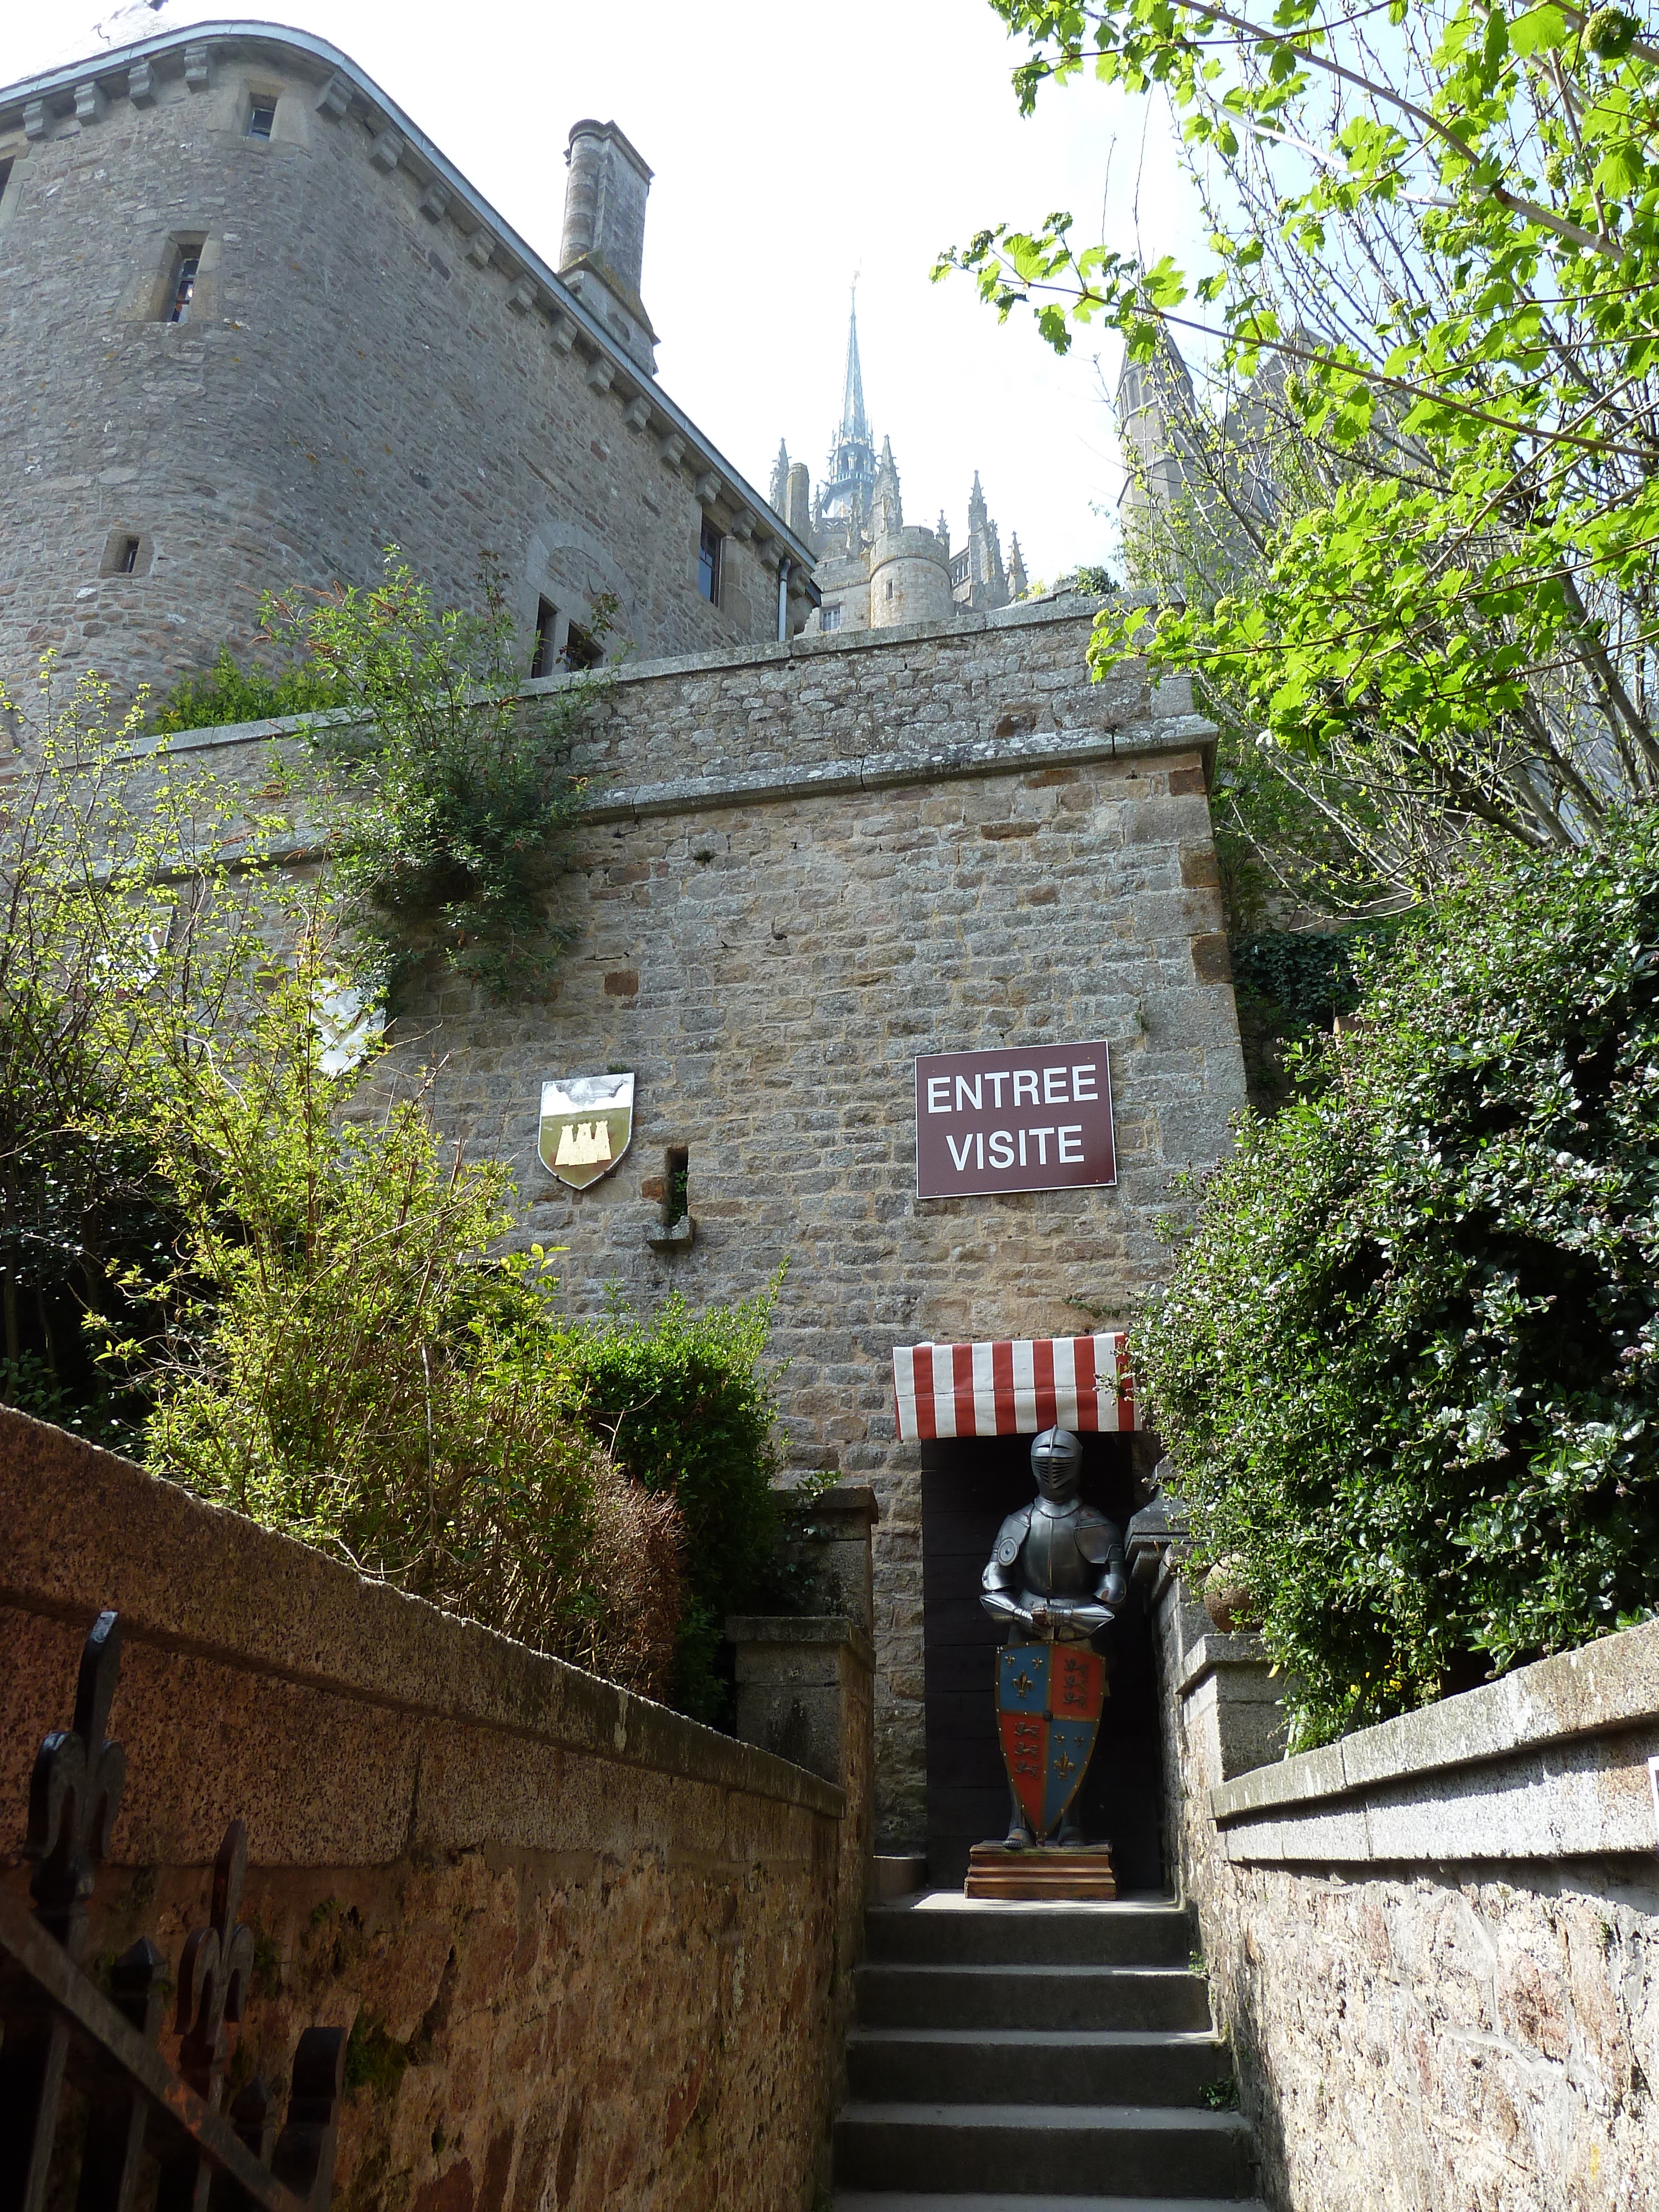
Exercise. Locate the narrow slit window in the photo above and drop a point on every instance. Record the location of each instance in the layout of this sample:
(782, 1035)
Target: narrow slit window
(676, 1186)
(5, 177)
(184, 285)
(543, 661)
(708, 563)
(260, 117)
(126, 556)
(581, 648)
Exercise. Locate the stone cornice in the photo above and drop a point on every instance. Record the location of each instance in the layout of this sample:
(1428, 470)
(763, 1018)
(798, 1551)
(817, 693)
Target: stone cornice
(58, 91)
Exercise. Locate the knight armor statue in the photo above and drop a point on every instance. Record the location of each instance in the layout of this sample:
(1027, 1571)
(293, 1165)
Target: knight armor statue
(1056, 1572)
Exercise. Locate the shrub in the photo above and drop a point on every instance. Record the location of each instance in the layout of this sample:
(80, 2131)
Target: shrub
(1408, 1362)
(686, 1410)
(234, 694)
(367, 1382)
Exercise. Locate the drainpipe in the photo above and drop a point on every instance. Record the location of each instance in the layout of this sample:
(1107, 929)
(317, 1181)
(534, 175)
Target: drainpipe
(786, 570)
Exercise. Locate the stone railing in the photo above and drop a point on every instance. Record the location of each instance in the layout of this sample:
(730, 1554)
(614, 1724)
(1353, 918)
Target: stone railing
(1435, 1944)
(587, 1951)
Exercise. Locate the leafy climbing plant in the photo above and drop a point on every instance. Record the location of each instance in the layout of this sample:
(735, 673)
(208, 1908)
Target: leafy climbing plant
(447, 794)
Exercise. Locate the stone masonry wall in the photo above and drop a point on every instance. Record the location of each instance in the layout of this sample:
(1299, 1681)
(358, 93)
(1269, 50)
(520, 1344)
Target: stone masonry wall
(590, 1954)
(797, 870)
(349, 375)
(1435, 1946)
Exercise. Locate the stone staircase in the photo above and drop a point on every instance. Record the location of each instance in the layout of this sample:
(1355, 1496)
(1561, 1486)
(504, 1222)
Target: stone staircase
(1036, 2058)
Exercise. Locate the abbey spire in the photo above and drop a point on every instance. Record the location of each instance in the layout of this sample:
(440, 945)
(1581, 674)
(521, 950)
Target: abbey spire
(871, 568)
(850, 475)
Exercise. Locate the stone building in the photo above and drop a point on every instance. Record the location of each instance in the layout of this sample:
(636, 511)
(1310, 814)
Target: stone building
(873, 570)
(254, 326)
(804, 859)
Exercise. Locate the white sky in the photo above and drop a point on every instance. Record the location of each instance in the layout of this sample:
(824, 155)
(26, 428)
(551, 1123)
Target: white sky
(792, 146)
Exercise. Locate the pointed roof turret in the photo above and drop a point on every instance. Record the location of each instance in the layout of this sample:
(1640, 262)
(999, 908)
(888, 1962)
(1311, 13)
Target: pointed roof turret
(886, 506)
(778, 494)
(1016, 578)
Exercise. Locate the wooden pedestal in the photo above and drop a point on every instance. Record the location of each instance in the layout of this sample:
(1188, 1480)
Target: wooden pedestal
(1072, 1876)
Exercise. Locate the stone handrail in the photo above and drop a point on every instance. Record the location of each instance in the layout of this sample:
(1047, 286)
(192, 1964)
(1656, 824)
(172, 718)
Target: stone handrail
(1552, 1761)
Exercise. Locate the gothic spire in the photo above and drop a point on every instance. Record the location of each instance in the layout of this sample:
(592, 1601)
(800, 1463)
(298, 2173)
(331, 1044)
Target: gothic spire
(778, 495)
(853, 426)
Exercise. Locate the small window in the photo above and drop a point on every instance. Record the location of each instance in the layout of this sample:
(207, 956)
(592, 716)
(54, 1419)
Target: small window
(828, 617)
(125, 554)
(581, 648)
(184, 285)
(260, 116)
(5, 177)
(543, 660)
(708, 563)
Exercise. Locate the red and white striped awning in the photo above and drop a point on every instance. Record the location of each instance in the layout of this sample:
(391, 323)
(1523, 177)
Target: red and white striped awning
(1009, 1390)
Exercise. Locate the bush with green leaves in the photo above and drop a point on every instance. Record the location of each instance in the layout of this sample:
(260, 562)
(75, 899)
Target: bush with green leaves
(682, 1403)
(366, 1380)
(1407, 1364)
(230, 693)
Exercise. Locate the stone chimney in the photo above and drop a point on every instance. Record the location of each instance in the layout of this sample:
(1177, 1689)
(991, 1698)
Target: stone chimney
(603, 248)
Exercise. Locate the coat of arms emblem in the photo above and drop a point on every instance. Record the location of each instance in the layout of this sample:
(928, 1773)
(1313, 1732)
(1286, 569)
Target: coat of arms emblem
(1049, 1698)
(587, 1123)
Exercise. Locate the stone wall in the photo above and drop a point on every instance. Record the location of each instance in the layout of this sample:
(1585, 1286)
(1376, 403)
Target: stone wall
(797, 870)
(591, 1953)
(373, 355)
(1434, 1945)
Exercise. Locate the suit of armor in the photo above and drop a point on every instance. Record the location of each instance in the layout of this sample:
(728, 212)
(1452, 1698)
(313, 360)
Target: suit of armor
(1056, 1572)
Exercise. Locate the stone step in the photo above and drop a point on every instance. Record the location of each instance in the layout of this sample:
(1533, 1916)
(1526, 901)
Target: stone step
(1147, 2150)
(1008, 2066)
(883, 2200)
(1051, 1998)
(945, 1928)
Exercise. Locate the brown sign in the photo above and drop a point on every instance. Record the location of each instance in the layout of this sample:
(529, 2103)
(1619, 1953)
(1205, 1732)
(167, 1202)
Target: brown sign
(1037, 1118)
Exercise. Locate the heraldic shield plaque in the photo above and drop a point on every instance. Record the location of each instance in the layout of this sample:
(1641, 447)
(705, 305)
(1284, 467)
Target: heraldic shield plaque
(1050, 1699)
(587, 1124)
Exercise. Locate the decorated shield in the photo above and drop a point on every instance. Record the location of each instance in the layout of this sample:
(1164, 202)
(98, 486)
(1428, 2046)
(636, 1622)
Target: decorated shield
(1049, 1698)
(587, 1121)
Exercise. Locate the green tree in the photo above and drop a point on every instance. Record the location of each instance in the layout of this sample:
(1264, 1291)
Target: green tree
(130, 936)
(1440, 223)
(1407, 1363)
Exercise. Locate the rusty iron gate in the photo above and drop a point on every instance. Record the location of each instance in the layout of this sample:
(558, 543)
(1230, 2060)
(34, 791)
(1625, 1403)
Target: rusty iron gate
(92, 2115)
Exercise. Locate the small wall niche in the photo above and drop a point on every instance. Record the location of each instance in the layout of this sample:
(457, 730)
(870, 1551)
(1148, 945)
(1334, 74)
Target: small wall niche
(676, 1231)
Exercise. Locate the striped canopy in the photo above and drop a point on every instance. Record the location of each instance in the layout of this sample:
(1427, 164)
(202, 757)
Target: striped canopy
(1012, 1389)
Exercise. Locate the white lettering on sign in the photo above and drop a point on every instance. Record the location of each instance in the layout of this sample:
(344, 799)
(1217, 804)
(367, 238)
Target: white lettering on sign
(992, 1139)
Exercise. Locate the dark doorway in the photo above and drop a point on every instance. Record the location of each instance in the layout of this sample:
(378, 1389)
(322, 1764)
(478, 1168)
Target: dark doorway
(968, 1485)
